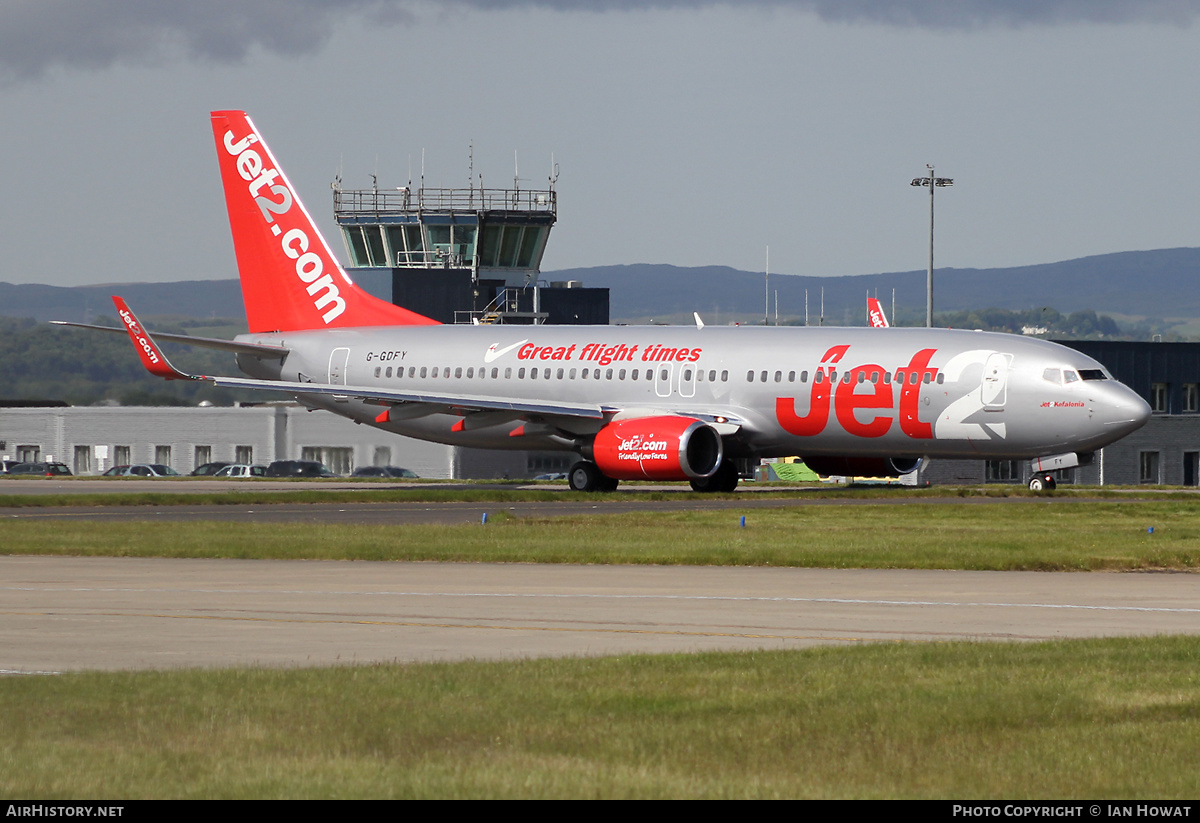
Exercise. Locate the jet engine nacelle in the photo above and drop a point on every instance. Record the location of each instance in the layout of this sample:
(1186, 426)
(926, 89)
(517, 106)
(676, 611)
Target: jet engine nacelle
(863, 466)
(658, 448)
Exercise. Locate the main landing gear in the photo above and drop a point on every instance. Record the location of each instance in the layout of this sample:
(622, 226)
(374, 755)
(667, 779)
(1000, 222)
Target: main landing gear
(585, 476)
(724, 479)
(1042, 482)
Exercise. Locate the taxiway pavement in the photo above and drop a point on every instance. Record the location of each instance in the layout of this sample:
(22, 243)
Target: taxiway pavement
(62, 614)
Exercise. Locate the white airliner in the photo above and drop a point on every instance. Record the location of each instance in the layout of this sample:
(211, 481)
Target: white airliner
(661, 403)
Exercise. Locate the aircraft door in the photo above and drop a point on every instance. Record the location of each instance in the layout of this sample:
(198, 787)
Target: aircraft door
(994, 391)
(338, 362)
(662, 379)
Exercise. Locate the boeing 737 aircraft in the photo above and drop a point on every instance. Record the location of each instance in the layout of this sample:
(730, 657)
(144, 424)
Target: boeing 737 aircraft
(660, 403)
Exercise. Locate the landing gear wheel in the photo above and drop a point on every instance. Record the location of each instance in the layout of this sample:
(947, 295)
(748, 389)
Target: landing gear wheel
(584, 476)
(724, 479)
(1041, 482)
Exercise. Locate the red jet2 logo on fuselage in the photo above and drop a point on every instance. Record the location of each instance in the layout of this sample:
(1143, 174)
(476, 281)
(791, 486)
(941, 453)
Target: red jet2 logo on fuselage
(846, 399)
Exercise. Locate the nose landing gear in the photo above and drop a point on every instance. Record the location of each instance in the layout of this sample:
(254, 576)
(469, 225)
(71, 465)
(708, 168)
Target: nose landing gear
(1042, 482)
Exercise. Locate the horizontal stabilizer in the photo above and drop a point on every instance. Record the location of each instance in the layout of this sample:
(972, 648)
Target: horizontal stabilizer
(255, 349)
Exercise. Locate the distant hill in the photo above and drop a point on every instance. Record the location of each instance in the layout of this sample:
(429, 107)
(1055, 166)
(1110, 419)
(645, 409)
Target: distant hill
(1159, 283)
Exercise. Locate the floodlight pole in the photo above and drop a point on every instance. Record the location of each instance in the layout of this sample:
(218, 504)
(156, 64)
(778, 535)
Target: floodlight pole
(932, 182)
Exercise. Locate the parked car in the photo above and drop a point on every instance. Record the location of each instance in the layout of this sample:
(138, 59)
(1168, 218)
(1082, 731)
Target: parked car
(242, 470)
(298, 468)
(5, 465)
(44, 469)
(142, 470)
(551, 476)
(383, 471)
(209, 469)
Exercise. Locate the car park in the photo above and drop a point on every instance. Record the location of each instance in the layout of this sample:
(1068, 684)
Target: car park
(298, 468)
(209, 469)
(142, 470)
(241, 470)
(394, 472)
(46, 469)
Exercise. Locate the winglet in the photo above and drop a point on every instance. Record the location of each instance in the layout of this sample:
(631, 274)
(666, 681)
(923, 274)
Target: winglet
(152, 357)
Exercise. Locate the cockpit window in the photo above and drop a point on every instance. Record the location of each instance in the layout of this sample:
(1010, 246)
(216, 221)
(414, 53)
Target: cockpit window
(1053, 375)
(1070, 376)
(1093, 374)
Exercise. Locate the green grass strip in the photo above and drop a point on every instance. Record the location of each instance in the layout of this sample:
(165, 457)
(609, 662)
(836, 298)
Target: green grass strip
(312, 492)
(1114, 718)
(1051, 536)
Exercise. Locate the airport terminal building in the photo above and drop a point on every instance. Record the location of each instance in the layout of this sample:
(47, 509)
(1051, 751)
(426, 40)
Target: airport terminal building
(91, 439)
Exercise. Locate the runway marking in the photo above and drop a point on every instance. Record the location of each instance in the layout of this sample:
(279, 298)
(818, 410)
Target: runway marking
(427, 625)
(679, 597)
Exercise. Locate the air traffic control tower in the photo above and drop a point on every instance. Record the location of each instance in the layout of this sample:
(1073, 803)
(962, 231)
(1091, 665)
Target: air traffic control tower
(464, 255)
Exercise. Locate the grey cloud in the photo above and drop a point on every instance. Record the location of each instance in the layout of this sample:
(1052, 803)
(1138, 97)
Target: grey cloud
(36, 35)
(934, 14)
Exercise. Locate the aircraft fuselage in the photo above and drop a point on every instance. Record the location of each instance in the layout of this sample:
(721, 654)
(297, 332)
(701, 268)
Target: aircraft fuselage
(883, 392)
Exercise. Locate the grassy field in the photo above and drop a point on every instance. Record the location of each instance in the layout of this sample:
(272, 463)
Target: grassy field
(1050, 535)
(306, 491)
(1072, 719)
(1097, 719)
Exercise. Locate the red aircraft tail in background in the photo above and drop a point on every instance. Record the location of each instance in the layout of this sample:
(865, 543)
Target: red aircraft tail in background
(875, 313)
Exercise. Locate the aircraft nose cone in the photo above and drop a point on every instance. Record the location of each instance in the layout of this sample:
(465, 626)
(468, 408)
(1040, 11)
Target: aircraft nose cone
(1125, 411)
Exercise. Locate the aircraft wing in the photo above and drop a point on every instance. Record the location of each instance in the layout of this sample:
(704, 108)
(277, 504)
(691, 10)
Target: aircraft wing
(452, 403)
(256, 349)
(433, 402)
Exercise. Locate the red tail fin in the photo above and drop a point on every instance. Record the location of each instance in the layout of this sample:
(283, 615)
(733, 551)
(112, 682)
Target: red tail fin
(875, 314)
(290, 278)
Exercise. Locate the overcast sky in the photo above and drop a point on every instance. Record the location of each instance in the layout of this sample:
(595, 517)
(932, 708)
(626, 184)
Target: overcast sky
(691, 133)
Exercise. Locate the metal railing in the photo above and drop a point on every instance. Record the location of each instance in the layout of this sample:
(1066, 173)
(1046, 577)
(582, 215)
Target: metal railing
(351, 202)
(505, 305)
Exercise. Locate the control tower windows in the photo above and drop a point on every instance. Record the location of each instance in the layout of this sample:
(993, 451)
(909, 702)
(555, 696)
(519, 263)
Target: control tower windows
(357, 246)
(452, 241)
(529, 244)
(366, 246)
(405, 245)
(509, 247)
